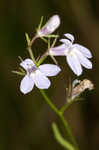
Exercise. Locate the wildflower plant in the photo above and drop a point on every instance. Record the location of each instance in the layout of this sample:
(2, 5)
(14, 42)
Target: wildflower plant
(36, 73)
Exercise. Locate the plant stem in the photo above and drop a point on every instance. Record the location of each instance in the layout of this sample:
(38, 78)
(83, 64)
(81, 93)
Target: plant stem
(43, 57)
(68, 131)
(31, 54)
(66, 106)
(33, 39)
(60, 139)
(60, 115)
(53, 107)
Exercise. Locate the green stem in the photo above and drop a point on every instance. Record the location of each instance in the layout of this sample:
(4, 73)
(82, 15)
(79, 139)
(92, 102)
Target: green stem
(60, 115)
(53, 107)
(70, 101)
(68, 131)
(66, 106)
(43, 57)
(31, 54)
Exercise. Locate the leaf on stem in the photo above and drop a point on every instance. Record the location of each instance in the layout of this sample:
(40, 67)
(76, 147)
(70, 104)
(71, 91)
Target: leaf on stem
(63, 142)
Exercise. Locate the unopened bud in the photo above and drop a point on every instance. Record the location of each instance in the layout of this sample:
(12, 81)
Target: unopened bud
(81, 87)
(50, 26)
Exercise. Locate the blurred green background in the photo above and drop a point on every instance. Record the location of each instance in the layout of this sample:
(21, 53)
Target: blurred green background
(25, 122)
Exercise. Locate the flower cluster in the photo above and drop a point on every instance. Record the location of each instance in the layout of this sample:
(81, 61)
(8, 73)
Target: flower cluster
(76, 57)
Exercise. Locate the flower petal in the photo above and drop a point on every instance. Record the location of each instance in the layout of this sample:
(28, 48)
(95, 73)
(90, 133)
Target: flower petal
(26, 63)
(66, 42)
(58, 50)
(85, 51)
(26, 85)
(49, 69)
(70, 37)
(74, 64)
(41, 81)
(83, 60)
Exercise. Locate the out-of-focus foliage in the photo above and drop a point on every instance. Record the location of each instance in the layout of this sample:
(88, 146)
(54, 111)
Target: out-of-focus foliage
(25, 122)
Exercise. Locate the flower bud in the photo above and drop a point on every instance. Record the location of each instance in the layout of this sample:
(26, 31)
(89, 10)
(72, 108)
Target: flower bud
(50, 26)
(81, 87)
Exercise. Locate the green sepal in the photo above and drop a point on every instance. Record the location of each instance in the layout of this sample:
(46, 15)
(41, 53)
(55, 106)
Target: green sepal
(27, 39)
(22, 70)
(20, 58)
(54, 60)
(19, 73)
(51, 36)
(41, 21)
(44, 39)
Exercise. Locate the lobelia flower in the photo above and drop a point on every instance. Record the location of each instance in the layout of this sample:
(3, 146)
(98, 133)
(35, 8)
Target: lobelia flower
(50, 26)
(37, 75)
(76, 54)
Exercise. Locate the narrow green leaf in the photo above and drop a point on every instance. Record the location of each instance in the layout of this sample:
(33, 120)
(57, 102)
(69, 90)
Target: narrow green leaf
(60, 139)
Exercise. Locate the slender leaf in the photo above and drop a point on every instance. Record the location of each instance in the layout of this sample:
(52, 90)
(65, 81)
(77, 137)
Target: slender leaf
(60, 139)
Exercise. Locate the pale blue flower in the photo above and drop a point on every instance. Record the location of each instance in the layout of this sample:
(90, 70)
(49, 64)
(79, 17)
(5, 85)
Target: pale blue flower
(50, 26)
(37, 75)
(76, 54)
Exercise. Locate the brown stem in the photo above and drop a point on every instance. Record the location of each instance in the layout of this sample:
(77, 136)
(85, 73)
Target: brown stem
(33, 39)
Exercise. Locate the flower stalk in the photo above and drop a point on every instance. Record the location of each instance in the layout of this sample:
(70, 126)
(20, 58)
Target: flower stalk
(33, 40)
(67, 105)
